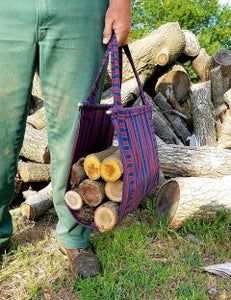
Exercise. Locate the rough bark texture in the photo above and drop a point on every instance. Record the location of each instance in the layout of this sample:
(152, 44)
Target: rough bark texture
(200, 64)
(33, 172)
(38, 204)
(223, 127)
(106, 216)
(204, 161)
(203, 120)
(192, 46)
(78, 173)
(92, 192)
(35, 145)
(216, 86)
(86, 215)
(184, 198)
(146, 51)
(38, 119)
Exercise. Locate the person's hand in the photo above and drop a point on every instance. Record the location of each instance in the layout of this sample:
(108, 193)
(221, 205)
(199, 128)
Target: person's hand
(118, 18)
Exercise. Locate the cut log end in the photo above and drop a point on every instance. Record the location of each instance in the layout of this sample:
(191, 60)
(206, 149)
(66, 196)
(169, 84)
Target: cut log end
(27, 211)
(106, 216)
(113, 190)
(73, 200)
(92, 167)
(163, 57)
(112, 168)
(92, 192)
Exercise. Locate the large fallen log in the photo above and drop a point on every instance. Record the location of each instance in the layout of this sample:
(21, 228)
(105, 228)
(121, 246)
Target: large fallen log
(161, 46)
(176, 160)
(33, 172)
(37, 204)
(35, 145)
(180, 199)
(203, 119)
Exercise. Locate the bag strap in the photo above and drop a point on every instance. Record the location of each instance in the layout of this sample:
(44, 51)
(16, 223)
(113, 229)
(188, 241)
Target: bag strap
(115, 52)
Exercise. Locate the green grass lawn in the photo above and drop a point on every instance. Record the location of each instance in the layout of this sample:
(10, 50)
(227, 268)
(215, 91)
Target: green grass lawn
(142, 259)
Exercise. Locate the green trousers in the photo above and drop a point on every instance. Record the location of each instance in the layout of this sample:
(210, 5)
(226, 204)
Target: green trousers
(65, 38)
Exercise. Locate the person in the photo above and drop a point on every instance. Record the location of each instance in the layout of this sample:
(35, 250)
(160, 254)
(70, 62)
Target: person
(69, 38)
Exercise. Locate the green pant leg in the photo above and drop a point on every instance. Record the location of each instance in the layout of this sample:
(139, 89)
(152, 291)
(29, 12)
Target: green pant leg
(17, 55)
(70, 56)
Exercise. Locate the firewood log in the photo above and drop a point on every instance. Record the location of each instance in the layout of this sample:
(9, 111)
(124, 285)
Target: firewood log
(106, 216)
(38, 204)
(93, 161)
(86, 215)
(74, 199)
(227, 98)
(38, 119)
(35, 145)
(113, 190)
(223, 59)
(112, 167)
(223, 129)
(192, 46)
(148, 51)
(203, 161)
(181, 198)
(92, 192)
(177, 123)
(176, 78)
(203, 119)
(33, 172)
(78, 173)
(200, 64)
(216, 86)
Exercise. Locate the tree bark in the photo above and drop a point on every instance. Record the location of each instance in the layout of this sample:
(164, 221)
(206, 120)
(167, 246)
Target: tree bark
(200, 64)
(86, 215)
(92, 192)
(192, 46)
(106, 216)
(33, 172)
(112, 167)
(113, 190)
(35, 145)
(203, 119)
(180, 199)
(203, 161)
(78, 173)
(38, 204)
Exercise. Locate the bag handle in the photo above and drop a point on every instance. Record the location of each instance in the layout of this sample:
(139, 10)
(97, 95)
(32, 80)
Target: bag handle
(115, 52)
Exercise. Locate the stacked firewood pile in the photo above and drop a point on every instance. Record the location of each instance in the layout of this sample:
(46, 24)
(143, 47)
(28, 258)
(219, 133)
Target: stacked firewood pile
(192, 123)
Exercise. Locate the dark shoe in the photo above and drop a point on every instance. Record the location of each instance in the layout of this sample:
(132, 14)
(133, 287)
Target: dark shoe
(6, 248)
(83, 262)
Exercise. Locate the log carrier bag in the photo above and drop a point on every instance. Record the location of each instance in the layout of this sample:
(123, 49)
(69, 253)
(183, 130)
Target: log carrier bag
(133, 127)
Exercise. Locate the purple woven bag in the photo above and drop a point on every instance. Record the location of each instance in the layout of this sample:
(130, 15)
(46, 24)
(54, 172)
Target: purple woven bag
(134, 128)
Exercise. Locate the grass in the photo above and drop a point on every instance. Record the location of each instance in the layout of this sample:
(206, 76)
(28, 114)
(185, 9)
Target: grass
(142, 259)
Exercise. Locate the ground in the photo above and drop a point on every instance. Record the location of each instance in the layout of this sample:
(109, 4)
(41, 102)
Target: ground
(142, 259)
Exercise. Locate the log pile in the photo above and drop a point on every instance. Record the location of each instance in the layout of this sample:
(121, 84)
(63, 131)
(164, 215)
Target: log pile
(192, 122)
(96, 188)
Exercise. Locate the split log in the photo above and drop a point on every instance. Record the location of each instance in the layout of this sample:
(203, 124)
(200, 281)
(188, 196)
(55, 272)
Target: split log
(200, 64)
(177, 123)
(38, 204)
(148, 52)
(176, 78)
(112, 167)
(113, 190)
(93, 162)
(203, 161)
(180, 199)
(192, 46)
(106, 216)
(78, 173)
(92, 192)
(203, 120)
(33, 172)
(35, 145)
(38, 119)
(86, 215)
(74, 199)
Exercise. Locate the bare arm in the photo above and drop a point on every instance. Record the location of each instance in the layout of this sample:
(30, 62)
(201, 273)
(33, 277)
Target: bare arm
(118, 18)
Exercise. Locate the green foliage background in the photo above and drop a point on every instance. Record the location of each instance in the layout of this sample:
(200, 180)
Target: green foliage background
(209, 20)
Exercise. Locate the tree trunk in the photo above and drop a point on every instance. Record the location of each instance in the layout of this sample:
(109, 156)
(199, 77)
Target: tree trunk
(203, 120)
(78, 173)
(92, 192)
(38, 204)
(74, 199)
(93, 162)
(181, 199)
(111, 167)
(192, 46)
(106, 216)
(113, 190)
(200, 64)
(177, 123)
(204, 161)
(33, 172)
(35, 145)
(146, 52)
(38, 119)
